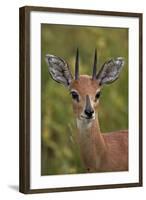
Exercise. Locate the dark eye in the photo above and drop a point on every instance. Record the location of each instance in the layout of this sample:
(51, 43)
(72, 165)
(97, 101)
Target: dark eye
(97, 95)
(75, 96)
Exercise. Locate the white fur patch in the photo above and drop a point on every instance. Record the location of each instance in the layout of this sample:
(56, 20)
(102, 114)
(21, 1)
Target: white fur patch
(84, 123)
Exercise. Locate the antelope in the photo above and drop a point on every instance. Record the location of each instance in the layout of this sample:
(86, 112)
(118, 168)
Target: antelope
(100, 152)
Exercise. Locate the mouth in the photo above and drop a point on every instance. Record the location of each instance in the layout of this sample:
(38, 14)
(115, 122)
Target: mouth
(86, 117)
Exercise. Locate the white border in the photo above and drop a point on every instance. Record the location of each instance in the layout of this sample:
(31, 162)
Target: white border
(55, 181)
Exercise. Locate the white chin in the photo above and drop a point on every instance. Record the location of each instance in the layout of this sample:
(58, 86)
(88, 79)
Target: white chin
(84, 123)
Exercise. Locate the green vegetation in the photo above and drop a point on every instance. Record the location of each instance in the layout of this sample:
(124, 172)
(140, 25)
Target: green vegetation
(60, 154)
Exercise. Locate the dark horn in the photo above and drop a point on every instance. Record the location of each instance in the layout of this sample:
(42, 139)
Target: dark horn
(94, 65)
(77, 65)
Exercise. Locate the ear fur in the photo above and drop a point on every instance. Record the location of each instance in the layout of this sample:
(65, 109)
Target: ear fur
(110, 71)
(59, 70)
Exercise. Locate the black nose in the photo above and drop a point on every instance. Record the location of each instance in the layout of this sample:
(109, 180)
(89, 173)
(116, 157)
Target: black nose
(89, 113)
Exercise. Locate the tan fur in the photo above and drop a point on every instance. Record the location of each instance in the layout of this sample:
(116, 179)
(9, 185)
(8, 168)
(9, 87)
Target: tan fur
(85, 85)
(100, 152)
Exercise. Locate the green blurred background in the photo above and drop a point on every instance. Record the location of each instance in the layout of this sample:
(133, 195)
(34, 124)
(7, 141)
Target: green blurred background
(59, 153)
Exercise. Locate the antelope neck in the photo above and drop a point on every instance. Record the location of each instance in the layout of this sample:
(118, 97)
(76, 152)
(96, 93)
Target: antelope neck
(90, 129)
(91, 139)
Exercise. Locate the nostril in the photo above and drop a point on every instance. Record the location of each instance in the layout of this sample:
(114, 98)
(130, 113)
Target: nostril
(89, 112)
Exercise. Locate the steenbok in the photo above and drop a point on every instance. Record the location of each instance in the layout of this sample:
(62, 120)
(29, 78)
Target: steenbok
(100, 152)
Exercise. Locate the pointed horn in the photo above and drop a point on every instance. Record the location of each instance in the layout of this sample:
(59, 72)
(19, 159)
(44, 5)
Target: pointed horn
(77, 65)
(94, 65)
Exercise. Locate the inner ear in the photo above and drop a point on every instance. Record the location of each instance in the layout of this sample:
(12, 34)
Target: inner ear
(59, 70)
(110, 71)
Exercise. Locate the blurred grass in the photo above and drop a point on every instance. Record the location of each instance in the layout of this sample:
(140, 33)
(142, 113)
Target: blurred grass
(59, 154)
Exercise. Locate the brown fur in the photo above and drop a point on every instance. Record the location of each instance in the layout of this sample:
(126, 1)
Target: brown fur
(85, 86)
(100, 152)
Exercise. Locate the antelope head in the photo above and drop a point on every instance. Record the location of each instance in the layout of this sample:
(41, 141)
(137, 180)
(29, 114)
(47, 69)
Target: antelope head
(85, 90)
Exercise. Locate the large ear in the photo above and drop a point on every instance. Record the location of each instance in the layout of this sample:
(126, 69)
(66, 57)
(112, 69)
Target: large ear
(59, 70)
(110, 71)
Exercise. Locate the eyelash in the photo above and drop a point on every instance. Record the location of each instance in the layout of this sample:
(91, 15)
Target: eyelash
(75, 96)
